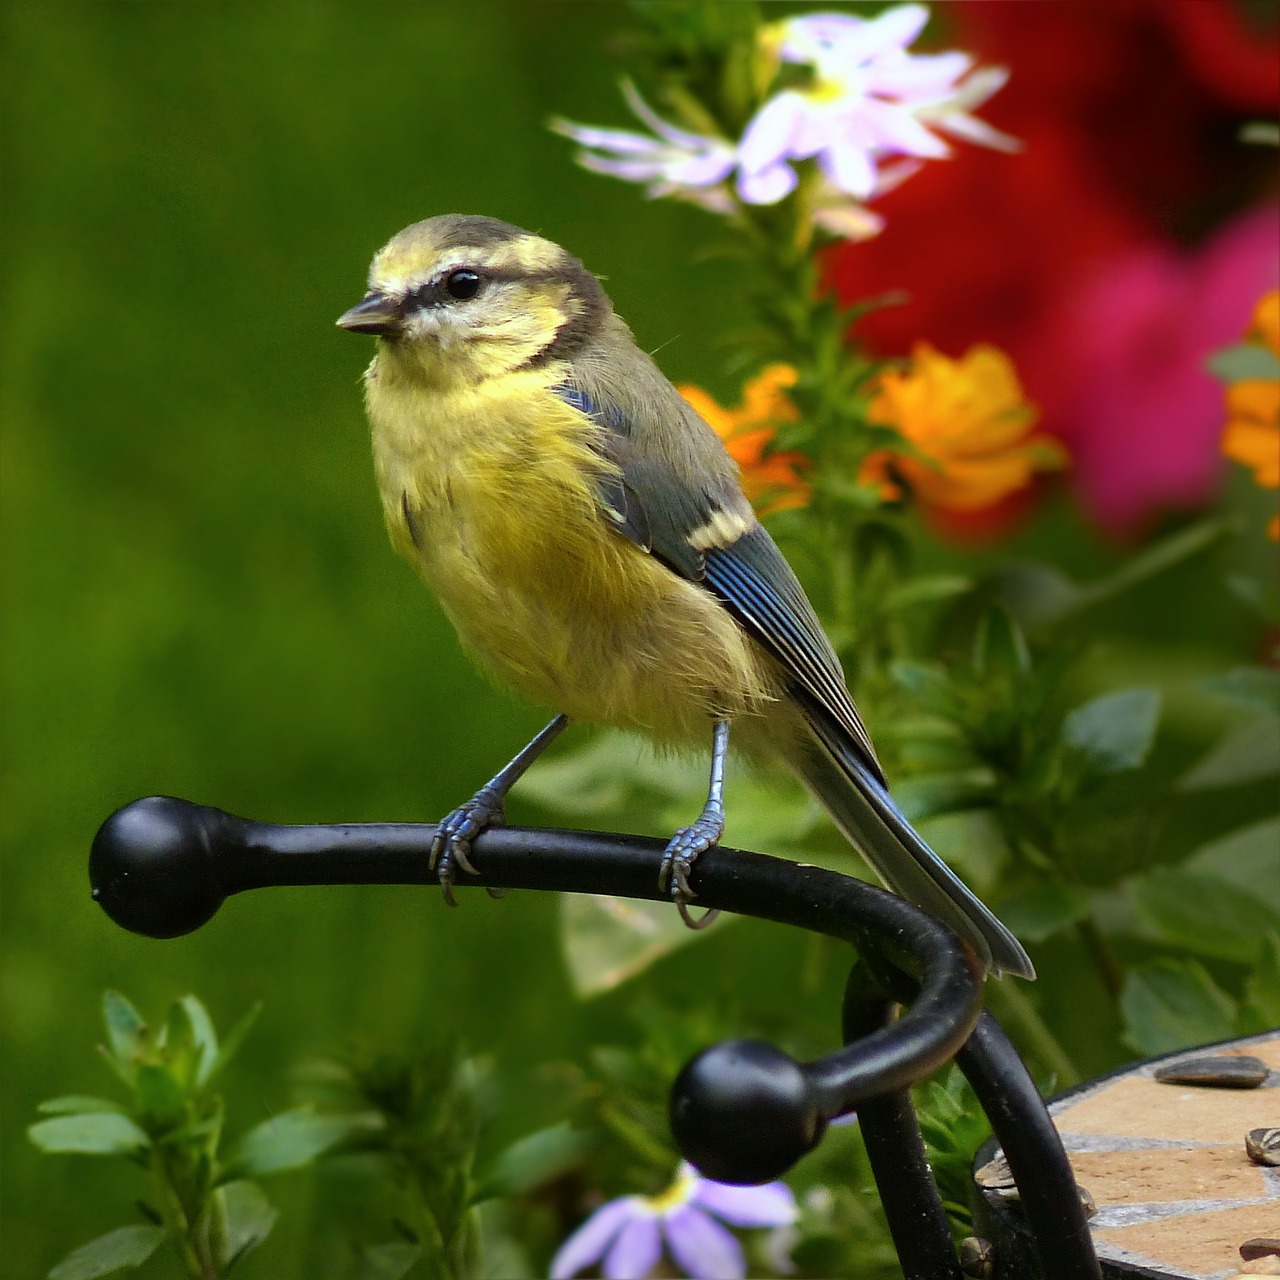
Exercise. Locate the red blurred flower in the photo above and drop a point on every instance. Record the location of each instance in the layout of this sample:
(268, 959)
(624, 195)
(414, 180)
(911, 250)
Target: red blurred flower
(1124, 367)
(1128, 110)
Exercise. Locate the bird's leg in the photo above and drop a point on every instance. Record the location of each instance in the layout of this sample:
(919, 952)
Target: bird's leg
(689, 842)
(487, 808)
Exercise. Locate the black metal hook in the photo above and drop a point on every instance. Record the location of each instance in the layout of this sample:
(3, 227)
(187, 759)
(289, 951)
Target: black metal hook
(743, 1111)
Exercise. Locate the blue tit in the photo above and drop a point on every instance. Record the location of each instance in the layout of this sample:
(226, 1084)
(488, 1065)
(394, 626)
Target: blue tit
(587, 535)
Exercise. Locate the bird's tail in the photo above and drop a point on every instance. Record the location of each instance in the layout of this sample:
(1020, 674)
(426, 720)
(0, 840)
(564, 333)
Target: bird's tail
(862, 808)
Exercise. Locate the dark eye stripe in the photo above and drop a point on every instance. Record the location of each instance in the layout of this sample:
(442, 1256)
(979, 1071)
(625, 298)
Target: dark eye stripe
(459, 285)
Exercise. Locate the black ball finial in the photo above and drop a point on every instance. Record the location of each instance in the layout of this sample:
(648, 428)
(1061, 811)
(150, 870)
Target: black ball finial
(151, 868)
(744, 1112)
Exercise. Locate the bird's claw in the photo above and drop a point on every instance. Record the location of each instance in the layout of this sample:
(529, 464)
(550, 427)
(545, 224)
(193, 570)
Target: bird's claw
(678, 859)
(451, 847)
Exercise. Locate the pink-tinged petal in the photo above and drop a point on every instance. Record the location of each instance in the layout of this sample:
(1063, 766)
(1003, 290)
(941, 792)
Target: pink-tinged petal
(893, 29)
(896, 129)
(926, 78)
(630, 170)
(985, 83)
(768, 137)
(771, 1205)
(703, 1248)
(700, 171)
(767, 187)
(821, 123)
(586, 1246)
(848, 221)
(894, 173)
(636, 1250)
(807, 37)
(959, 124)
(850, 168)
(620, 141)
(647, 115)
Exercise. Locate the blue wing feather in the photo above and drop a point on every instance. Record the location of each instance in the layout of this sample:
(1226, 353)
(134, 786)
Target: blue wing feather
(749, 576)
(647, 501)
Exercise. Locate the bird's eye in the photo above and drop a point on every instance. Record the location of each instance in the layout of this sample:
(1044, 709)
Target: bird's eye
(462, 285)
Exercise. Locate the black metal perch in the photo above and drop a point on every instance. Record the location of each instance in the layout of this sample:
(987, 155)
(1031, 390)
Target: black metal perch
(742, 1111)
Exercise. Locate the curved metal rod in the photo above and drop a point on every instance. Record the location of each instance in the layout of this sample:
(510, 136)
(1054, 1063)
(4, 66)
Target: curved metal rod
(895, 1148)
(742, 1111)
(1030, 1142)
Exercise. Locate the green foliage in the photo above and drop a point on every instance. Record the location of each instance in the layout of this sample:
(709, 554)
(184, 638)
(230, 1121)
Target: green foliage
(171, 1125)
(954, 1127)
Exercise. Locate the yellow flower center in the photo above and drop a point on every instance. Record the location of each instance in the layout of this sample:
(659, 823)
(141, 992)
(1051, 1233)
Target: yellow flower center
(675, 1195)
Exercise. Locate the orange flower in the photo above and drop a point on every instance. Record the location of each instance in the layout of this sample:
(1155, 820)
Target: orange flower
(1252, 435)
(970, 428)
(1266, 322)
(772, 481)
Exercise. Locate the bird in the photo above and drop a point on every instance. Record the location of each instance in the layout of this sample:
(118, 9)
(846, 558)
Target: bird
(586, 533)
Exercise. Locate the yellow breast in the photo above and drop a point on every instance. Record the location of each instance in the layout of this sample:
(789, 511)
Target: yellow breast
(489, 490)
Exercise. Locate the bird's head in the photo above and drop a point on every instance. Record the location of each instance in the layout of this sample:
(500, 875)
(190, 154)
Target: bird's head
(460, 298)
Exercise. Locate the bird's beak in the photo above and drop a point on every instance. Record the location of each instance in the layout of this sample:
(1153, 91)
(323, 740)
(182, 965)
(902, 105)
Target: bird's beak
(374, 313)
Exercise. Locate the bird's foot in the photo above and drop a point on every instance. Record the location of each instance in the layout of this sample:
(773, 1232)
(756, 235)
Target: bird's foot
(682, 853)
(451, 847)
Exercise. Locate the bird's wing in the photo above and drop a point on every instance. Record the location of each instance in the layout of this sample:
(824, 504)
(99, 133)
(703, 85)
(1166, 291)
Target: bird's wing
(711, 538)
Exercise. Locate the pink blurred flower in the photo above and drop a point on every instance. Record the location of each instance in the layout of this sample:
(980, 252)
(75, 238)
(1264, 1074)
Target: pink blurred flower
(1123, 375)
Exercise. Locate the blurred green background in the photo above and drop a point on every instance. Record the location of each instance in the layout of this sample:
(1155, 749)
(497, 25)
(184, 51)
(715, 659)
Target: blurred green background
(200, 599)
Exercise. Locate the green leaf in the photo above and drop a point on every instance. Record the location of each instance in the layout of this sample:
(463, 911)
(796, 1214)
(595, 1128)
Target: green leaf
(612, 772)
(534, 1160)
(1246, 858)
(1261, 133)
(1261, 598)
(124, 1247)
(926, 590)
(1114, 732)
(249, 1215)
(292, 1140)
(230, 1046)
(1038, 595)
(125, 1028)
(391, 1261)
(607, 940)
(1246, 753)
(1255, 687)
(1174, 1004)
(999, 645)
(1245, 362)
(161, 1098)
(930, 685)
(931, 794)
(75, 1104)
(1042, 597)
(1202, 913)
(1045, 909)
(92, 1133)
(1262, 991)
(192, 1041)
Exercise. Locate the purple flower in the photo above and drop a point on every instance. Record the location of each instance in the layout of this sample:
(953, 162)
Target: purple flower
(869, 114)
(627, 1235)
(870, 100)
(671, 161)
